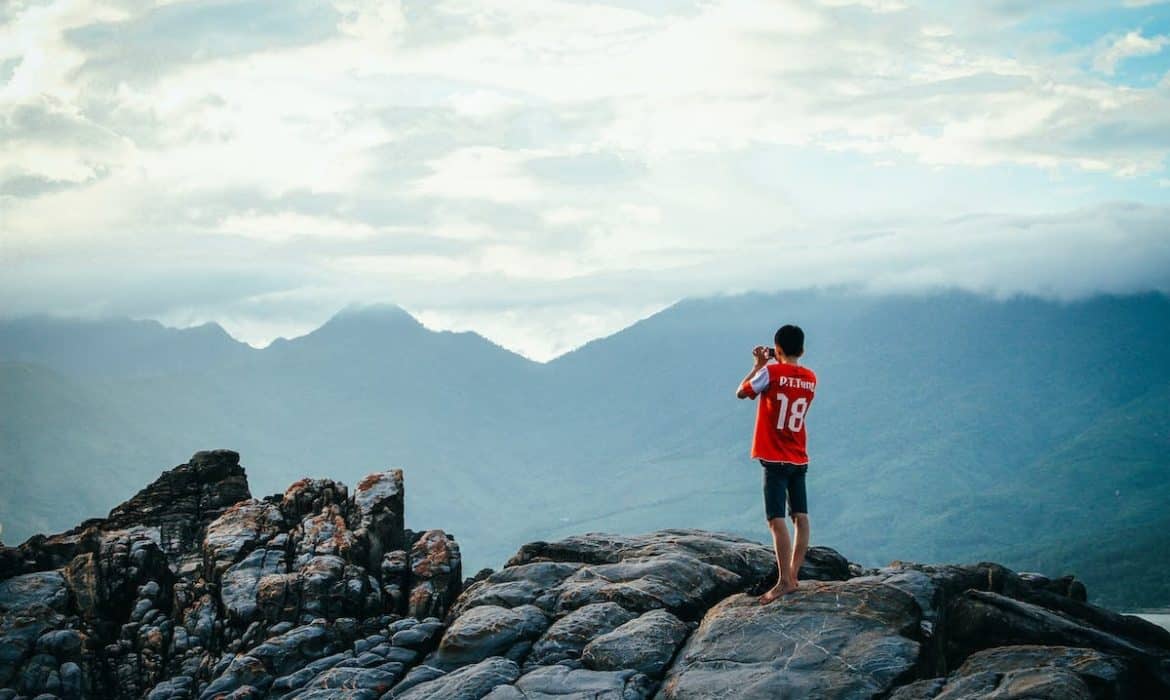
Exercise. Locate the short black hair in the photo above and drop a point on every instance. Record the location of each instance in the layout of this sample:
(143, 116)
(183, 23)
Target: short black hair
(791, 340)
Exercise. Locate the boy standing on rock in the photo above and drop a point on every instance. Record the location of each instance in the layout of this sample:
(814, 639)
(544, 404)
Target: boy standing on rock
(785, 390)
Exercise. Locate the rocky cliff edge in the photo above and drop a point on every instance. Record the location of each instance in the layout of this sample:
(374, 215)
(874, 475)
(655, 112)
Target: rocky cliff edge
(193, 589)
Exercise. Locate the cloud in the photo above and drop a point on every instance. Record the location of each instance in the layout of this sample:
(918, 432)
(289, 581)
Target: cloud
(560, 165)
(1131, 45)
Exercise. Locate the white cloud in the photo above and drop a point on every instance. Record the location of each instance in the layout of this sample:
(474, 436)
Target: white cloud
(469, 159)
(479, 173)
(1132, 45)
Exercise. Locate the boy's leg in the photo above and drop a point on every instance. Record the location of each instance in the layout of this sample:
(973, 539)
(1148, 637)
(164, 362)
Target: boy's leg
(783, 546)
(775, 495)
(798, 507)
(800, 546)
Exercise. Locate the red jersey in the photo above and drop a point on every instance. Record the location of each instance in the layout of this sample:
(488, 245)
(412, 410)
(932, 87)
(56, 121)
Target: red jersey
(785, 392)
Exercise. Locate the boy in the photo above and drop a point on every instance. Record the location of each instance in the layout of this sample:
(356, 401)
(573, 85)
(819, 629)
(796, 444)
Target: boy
(785, 389)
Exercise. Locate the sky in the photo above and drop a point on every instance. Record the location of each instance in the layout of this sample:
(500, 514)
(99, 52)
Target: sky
(548, 172)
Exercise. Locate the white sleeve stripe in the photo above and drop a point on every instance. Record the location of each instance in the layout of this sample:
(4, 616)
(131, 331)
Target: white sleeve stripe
(761, 380)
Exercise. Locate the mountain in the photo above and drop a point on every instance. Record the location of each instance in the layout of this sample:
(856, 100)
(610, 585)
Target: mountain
(946, 427)
(116, 348)
(194, 589)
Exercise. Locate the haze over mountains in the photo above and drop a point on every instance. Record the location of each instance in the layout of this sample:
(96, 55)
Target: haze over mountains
(946, 427)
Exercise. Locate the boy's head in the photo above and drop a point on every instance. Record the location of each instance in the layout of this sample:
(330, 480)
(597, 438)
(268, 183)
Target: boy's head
(790, 341)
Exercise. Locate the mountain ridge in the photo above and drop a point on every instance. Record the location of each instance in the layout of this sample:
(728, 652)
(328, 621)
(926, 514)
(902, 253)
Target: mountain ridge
(933, 421)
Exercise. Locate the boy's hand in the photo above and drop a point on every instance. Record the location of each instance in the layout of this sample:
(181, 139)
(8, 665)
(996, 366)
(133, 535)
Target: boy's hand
(760, 353)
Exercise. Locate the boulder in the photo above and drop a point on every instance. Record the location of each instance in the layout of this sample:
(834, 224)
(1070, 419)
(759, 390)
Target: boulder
(181, 503)
(645, 644)
(324, 533)
(550, 682)
(373, 681)
(1105, 675)
(242, 527)
(747, 559)
(826, 640)
(980, 619)
(436, 574)
(486, 631)
(566, 637)
(379, 504)
(677, 582)
(522, 584)
(310, 496)
(1024, 684)
(471, 682)
(240, 584)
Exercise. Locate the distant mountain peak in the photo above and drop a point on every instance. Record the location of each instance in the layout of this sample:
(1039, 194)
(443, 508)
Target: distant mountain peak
(374, 313)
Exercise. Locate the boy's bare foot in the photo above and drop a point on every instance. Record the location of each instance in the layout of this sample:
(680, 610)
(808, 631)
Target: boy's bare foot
(780, 589)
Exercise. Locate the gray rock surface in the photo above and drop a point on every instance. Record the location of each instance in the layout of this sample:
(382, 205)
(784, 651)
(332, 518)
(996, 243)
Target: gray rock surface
(489, 630)
(468, 683)
(827, 640)
(563, 683)
(646, 644)
(436, 568)
(566, 637)
(195, 590)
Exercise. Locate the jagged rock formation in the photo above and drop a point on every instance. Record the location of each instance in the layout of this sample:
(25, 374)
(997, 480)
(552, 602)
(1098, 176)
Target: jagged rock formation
(195, 590)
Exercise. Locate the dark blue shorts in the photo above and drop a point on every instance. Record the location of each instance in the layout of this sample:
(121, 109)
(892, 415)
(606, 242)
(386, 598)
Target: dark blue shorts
(784, 483)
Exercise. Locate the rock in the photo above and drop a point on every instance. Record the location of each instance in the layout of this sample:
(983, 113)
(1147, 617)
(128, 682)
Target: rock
(566, 637)
(324, 533)
(919, 690)
(28, 593)
(1129, 626)
(184, 500)
(935, 588)
(645, 644)
(1106, 676)
(323, 586)
(376, 681)
(486, 631)
(240, 584)
(240, 529)
(576, 684)
(745, 558)
(684, 571)
(1026, 684)
(380, 505)
(297, 679)
(308, 497)
(468, 683)
(522, 584)
(677, 582)
(979, 620)
(31, 605)
(192, 589)
(436, 573)
(422, 637)
(826, 640)
(395, 569)
(824, 564)
(416, 676)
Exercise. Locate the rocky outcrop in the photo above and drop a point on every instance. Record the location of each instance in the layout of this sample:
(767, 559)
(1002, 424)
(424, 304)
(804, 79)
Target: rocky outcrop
(194, 590)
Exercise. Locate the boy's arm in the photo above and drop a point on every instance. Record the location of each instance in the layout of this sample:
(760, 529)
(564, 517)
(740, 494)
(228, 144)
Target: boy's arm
(757, 379)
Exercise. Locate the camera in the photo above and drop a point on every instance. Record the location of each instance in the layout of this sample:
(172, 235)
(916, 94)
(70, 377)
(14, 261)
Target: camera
(770, 352)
